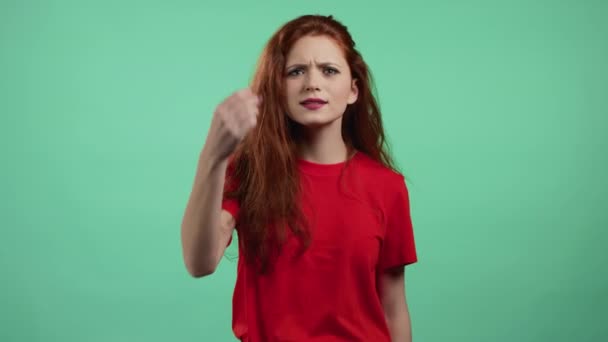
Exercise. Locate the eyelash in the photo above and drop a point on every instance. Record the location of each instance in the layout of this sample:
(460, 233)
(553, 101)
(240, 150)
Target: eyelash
(291, 73)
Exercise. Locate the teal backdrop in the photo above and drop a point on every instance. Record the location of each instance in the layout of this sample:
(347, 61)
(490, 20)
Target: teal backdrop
(496, 112)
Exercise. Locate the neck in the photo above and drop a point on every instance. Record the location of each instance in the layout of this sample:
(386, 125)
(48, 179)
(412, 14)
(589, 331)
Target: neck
(323, 145)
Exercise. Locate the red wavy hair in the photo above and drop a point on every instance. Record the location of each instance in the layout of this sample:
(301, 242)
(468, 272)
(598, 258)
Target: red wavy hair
(264, 165)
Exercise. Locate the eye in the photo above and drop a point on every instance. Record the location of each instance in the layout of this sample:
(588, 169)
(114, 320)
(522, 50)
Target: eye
(294, 72)
(332, 71)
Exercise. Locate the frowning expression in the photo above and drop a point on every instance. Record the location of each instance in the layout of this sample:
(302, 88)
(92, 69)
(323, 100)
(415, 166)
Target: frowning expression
(318, 81)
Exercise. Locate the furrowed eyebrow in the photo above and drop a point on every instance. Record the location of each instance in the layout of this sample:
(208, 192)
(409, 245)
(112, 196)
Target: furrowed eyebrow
(326, 64)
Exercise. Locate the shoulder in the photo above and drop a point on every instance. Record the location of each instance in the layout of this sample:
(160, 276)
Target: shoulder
(378, 172)
(385, 185)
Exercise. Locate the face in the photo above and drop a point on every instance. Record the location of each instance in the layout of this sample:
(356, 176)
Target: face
(316, 69)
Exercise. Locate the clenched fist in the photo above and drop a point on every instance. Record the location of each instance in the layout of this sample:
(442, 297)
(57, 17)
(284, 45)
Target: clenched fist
(232, 119)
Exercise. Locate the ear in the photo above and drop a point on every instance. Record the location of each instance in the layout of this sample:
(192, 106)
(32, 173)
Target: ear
(354, 92)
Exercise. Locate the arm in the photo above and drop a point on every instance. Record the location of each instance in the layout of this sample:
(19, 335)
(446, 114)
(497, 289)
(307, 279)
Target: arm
(392, 295)
(205, 228)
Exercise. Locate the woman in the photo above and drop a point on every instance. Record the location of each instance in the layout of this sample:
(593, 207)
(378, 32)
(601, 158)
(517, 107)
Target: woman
(296, 165)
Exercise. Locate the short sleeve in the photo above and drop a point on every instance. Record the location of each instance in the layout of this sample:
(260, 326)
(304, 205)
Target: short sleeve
(398, 247)
(231, 205)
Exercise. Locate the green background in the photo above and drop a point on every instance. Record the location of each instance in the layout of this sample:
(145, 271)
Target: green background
(496, 112)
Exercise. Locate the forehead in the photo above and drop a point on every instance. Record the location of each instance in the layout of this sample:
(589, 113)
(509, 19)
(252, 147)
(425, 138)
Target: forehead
(315, 48)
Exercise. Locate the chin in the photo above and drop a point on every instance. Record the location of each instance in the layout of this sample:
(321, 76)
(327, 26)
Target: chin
(309, 119)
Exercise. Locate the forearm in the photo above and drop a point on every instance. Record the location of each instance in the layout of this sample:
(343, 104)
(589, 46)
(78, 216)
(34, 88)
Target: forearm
(200, 223)
(400, 327)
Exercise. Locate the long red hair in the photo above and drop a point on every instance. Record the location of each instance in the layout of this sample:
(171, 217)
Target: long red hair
(264, 165)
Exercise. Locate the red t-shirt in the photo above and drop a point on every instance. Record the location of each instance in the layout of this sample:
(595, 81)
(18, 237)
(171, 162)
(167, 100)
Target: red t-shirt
(329, 293)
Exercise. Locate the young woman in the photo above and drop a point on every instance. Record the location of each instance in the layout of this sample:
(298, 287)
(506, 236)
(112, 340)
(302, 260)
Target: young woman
(296, 164)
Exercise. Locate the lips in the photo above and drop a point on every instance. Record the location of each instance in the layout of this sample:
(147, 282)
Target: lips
(313, 103)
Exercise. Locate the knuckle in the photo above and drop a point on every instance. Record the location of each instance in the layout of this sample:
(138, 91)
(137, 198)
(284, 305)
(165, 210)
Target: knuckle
(243, 93)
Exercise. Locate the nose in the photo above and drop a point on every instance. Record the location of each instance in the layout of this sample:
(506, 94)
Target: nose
(311, 83)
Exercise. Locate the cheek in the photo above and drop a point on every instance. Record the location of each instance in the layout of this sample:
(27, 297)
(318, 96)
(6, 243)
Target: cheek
(292, 98)
(291, 89)
(344, 92)
(340, 97)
